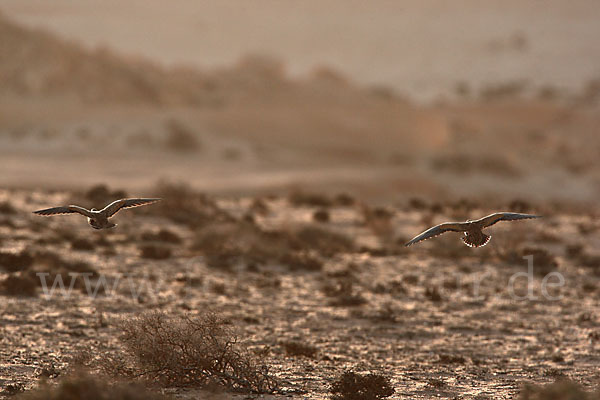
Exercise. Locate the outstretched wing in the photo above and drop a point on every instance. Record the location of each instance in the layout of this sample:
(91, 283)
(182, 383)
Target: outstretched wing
(64, 210)
(117, 205)
(437, 230)
(504, 216)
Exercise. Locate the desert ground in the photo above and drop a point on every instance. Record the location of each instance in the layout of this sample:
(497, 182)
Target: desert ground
(290, 182)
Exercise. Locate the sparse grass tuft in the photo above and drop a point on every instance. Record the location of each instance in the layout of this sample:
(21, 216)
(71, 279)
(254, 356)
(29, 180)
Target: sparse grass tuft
(353, 386)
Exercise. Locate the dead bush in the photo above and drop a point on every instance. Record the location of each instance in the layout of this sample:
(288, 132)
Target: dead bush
(48, 261)
(467, 164)
(344, 200)
(7, 208)
(189, 351)
(180, 137)
(321, 216)
(353, 386)
(225, 244)
(560, 390)
(155, 252)
(543, 261)
(343, 294)
(520, 206)
(101, 194)
(183, 205)
(20, 284)
(503, 91)
(299, 199)
(13, 262)
(55, 266)
(302, 261)
(163, 235)
(326, 242)
(433, 294)
(85, 386)
(295, 349)
(82, 244)
(259, 206)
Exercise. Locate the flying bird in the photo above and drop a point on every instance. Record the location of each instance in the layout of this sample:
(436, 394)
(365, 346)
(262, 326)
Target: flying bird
(472, 229)
(98, 219)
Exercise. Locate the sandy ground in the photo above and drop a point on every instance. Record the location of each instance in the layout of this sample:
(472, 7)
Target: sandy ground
(439, 319)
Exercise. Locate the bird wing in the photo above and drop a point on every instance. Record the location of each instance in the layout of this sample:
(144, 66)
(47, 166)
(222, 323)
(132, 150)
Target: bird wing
(437, 230)
(117, 205)
(504, 216)
(64, 210)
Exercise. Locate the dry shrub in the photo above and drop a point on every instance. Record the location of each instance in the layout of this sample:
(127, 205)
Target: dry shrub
(13, 262)
(326, 242)
(503, 91)
(433, 294)
(82, 244)
(189, 351)
(302, 261)
(7, 208)
(417, 203)
(180, 137)
(451, 359)
(259, 206)
(101, 195)
(84, 386)
(54, 265)
(520, 206)
(20, 284)
(344, 200)
(343, 294)
(321, 216)
(163, 235)
(353, 386)
(228, 243)
(543, 261)
(560, 390)
(183, 205)
(154, 252)
(299, 199)
(47, 261)
(467, 164)
(295, 349)
(449, 248)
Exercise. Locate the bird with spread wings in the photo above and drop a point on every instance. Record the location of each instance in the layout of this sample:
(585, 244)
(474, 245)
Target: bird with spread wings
(472, 229)
(98, 219)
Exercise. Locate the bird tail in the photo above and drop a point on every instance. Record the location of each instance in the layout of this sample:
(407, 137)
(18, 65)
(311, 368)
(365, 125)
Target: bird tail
(476, 242)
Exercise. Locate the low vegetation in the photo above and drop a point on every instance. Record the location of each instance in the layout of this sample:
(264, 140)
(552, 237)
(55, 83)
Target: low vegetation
(198, 351)
(354, 386)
